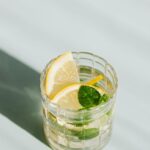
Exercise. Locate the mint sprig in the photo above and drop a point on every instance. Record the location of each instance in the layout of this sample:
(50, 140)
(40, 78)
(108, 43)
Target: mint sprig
(82, 134)
(105, 98)
(88, 133)
(88, 96)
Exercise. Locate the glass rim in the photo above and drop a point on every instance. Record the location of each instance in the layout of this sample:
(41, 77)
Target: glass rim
(53, 107)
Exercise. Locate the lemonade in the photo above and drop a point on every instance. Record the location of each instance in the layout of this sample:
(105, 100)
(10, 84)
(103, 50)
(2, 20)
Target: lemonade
(78, 92)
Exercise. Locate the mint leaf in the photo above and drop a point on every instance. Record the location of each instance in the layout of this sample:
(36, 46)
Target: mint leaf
(82, 134)
(105, 98)
(86, 134)
(83, 119)
(110, 112)
(88, 96)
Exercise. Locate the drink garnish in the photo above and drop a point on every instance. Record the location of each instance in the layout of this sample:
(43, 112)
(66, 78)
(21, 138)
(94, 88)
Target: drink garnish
(89, 96)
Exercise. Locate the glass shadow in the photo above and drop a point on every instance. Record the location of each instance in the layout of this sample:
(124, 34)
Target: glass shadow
(20, 99)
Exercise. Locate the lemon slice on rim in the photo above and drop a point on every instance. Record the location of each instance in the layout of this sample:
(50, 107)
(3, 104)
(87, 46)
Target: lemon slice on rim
(62, 72)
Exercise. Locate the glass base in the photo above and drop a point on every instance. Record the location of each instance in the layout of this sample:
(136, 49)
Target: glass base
(59, 142)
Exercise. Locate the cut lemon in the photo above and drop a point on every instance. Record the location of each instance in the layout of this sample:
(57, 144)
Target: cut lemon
(95, 80)
(67, 98)
(61, 73)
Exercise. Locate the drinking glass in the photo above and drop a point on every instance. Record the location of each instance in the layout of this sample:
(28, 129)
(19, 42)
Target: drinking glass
(87, 129)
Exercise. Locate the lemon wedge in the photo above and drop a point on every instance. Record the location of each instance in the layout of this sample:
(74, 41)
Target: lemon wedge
(62, 72)
(67, 98)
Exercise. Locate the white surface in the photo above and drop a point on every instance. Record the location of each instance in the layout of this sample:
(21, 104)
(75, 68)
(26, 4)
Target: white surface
(13, 137)
(34, 31)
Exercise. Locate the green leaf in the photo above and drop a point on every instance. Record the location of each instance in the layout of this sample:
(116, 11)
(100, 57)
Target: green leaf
(83, 119)
(105, 98)
(110, 112)
(82, 134)
(86, 134)
(88, 96)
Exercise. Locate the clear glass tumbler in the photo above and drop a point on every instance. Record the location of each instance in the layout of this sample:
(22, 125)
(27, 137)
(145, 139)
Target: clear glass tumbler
(88, 129)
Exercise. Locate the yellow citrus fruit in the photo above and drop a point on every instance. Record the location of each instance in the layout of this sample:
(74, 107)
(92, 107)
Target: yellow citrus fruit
(62, 72)
(67, 98)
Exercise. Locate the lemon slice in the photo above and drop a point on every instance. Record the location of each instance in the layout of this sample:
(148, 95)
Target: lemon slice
(95, 80)
(62, 72)
(67, 98)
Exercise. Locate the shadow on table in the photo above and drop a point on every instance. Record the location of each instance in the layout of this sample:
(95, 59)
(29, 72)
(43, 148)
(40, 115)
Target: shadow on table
(20, 99)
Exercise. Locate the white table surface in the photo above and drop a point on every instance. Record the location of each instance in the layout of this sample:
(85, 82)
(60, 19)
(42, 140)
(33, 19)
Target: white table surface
(34, 31)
